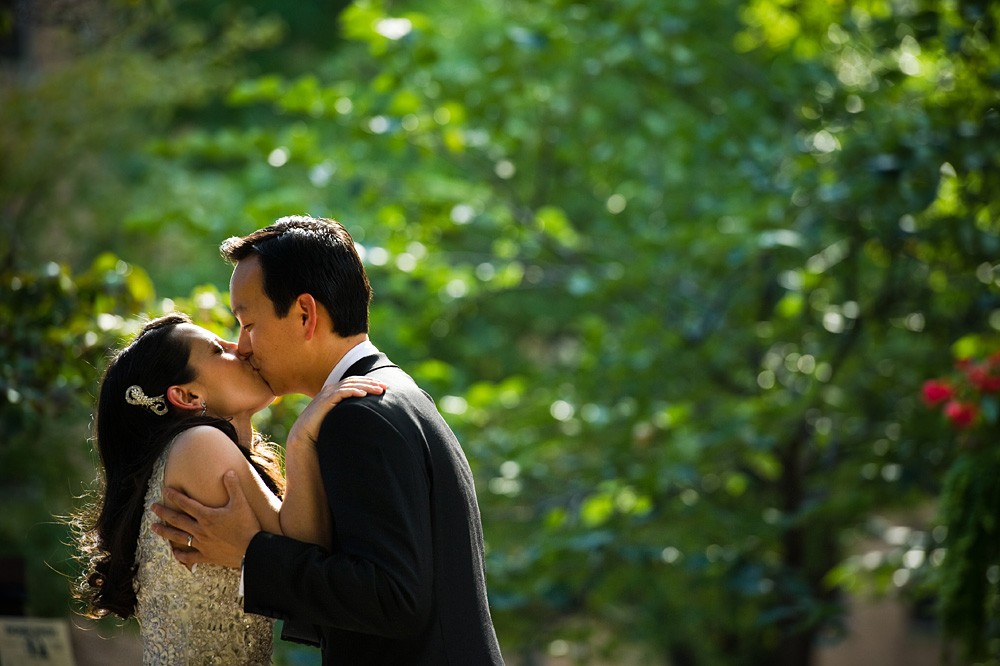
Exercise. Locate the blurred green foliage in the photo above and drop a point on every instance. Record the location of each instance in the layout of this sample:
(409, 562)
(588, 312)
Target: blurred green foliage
(675, 273)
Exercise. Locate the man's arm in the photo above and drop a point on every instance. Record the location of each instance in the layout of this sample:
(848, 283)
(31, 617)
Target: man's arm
(378, 579)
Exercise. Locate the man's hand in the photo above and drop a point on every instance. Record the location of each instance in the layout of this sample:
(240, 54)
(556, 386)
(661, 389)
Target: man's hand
(217, 535)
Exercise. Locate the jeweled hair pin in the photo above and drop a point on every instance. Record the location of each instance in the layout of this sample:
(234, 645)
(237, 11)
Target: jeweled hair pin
(134, 395)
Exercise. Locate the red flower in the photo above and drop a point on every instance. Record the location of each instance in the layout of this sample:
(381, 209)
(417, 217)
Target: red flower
(961, 414)
(936, 391)
(982, 379)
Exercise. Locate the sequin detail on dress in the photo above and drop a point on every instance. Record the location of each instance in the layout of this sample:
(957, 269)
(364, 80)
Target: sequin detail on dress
(191, 619)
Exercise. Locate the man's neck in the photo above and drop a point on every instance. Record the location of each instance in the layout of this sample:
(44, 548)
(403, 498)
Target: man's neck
(338, 348)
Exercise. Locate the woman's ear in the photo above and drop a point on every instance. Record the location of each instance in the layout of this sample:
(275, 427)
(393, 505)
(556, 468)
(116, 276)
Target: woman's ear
(182, 397)
(307, 312)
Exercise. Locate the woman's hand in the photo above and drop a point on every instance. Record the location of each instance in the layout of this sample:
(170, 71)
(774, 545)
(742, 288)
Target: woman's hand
(306, 428)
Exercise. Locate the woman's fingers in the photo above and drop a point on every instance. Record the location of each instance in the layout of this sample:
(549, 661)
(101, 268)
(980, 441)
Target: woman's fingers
(363, 384)
(351, 387)
(310, 420)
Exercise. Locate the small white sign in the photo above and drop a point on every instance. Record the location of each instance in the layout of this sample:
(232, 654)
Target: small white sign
(29, 641)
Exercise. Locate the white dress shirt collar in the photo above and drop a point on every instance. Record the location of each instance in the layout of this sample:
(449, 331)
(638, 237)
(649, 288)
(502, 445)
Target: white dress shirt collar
(353, 355)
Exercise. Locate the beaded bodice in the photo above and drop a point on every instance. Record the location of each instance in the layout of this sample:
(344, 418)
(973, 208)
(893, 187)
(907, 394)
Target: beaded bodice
(191, 618)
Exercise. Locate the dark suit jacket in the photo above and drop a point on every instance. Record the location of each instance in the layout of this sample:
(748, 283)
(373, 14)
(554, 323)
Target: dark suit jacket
(405, 581)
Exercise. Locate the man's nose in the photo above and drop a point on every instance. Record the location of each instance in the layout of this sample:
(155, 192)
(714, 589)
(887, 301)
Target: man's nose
(243, 347)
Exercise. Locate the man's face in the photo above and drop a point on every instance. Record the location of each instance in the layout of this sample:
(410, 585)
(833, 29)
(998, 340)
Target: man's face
(269, 343)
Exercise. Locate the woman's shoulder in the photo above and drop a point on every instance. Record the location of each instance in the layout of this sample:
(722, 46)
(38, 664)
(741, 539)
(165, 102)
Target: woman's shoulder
(204, 431)
(202, 442)
(197, 459)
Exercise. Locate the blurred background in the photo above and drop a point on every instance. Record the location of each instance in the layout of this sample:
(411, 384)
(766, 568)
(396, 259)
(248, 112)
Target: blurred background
(709, 290)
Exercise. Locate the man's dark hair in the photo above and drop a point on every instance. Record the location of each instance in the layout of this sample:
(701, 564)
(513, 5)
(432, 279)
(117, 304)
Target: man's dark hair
(308, 255)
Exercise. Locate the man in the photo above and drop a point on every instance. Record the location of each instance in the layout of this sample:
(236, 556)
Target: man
(404, 580)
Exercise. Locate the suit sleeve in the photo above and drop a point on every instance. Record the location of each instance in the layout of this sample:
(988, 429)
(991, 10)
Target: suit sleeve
(379, 577)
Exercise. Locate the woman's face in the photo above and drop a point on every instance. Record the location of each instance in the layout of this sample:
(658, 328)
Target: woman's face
(228, 384)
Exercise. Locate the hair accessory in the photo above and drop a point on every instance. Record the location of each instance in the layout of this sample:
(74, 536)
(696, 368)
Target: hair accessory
(134, 395)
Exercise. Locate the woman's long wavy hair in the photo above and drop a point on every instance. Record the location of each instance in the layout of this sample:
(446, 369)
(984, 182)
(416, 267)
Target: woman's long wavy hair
(129, 440)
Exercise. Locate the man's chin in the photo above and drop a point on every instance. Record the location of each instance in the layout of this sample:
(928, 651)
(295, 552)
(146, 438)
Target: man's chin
(266, 383)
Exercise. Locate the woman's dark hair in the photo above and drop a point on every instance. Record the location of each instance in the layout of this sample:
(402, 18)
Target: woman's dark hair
(129, 440)
(309, 255)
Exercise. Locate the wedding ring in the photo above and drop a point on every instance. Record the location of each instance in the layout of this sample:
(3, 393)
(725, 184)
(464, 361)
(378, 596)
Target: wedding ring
(190, 539)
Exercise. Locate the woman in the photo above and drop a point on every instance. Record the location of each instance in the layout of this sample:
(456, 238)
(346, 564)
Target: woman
(174, 409)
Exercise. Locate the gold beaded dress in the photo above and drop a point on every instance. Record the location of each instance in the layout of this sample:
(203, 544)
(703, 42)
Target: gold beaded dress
(191, 618)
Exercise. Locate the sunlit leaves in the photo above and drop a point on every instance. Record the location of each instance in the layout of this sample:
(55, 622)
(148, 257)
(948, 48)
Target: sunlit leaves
(366, 21)
(770, 23)
(553, 222)
(58, 327)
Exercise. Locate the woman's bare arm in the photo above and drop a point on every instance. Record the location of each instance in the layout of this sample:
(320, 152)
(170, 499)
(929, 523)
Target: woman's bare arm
(202, 455)
(197, 461)
(305, 514)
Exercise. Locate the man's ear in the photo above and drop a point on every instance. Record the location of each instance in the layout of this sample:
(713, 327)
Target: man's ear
(183, 398)
(306, 310)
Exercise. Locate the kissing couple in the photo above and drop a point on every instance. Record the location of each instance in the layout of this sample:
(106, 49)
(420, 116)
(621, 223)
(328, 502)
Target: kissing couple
(369, 546)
